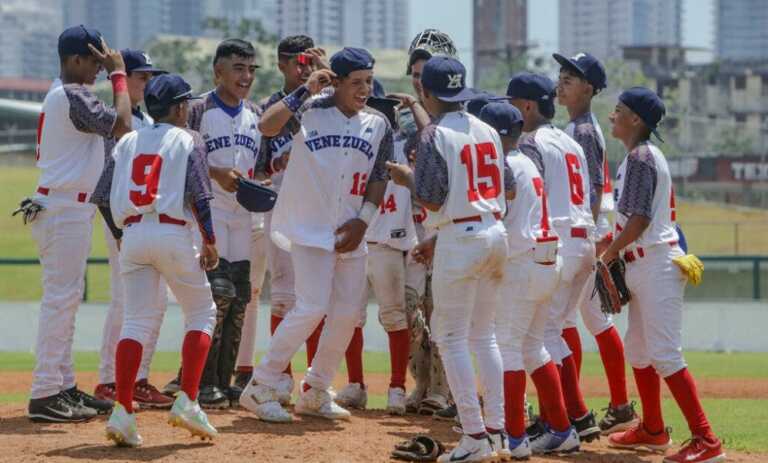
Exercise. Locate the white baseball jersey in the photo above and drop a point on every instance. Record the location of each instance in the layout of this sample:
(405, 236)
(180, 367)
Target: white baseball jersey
(527, 218)
(606, 204)
(274, 148)
(471, 150)
(562, 165)
(70, 138)
(231, 138)
(332, 159)
(644, 187)
(394, 224)
(155, 182)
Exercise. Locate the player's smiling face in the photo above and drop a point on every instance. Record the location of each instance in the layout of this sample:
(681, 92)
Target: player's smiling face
(235, 74)
(623, 122)
(416, 77)
(572, 89)
(352, 91)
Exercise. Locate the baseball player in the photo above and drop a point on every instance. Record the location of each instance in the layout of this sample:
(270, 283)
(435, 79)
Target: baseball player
(563, 167)
(390, 237)
(531, 276)
(460, 178)
(140, 70)
(332, 189)
(647, 240)
(431, 394)
(70, 156)
(159, 186)
(297, 57)
(228, 122)
(582, 77)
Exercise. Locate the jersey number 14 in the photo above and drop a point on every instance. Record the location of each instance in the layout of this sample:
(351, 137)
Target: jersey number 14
(480, 164)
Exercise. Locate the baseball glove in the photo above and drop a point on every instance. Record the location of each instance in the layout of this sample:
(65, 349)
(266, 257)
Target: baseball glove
(611, 286)
(28, 209)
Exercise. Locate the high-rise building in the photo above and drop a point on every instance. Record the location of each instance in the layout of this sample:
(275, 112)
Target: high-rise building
(500, 30)
(604, 27)
(742, 30)
(30, 31)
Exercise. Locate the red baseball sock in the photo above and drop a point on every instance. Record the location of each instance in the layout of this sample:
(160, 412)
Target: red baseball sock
(127, 361)
(683, 388)
(313, 341)
(194, 353)
(612, 354)
(399, 346)
(354, 356)
(649, 389)
(572, 338)
(574, 401)
(547, 383)
(274, 322)
(514, 406)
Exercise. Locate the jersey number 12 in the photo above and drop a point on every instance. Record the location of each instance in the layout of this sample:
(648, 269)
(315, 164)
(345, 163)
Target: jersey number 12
(145, 172)
(479, 162)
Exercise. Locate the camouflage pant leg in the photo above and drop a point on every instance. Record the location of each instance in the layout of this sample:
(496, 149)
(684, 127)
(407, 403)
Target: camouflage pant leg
(233, 324)
(418, 358)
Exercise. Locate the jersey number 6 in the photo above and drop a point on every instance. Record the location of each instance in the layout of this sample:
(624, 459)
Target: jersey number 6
(145, 172)
(479, 163)
(575, 179)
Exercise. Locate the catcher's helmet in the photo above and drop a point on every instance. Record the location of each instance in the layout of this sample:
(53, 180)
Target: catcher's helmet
(428, 43)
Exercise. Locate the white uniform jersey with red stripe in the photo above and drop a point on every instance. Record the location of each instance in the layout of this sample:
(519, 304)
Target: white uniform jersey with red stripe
(475, 160)
(566, 178)
(69, 159)
(150, 173)
(394, 225)
(662, 226)
(527, 217)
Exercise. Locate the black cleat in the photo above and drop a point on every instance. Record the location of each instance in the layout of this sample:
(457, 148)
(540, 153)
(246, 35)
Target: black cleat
(56, 409)
(536, 430)
(618, 419)
(586, 427)
(212, 397)
(242, 378)
(87, 401)
(446, 414)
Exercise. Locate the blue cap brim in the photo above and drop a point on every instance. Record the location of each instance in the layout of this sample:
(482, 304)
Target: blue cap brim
(151, 69)
(569, 64)
(383, 101)
(464, 94)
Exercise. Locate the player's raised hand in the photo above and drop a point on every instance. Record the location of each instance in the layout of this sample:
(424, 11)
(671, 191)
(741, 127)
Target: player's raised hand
(111, 59)
(401, 174)
(424, 251)
(209, 257)
(405, 99)
(319, 58)
(320, 79)
(349, 235)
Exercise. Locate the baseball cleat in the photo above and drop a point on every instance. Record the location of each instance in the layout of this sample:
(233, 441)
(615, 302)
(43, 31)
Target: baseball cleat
(618, 419)
(500, 443)
(187, 414)
(284, 389)
(242, 377)
(121, 428)
(414, 399)
(396, 401)
(557, 442)
(637, 437)
(318, 402)
(262, 401)
(698, 450)
(212, 397)
(56, 409)
(353, 395)
(147, 396)
(448, 413)
(519, 449)
(87, 402)
(470, 450)
(586, 427)
(105, 391)
(536, 429)
(431, 404)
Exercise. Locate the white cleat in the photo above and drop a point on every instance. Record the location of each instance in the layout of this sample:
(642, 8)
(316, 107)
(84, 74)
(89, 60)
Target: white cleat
(353, 395)
(557, 442)
(262, 401)
(318, 402)
(519, 449)
(470, 450)
(284, 389)
(187, 414)
(500, 444)
(121, 428)
(396, 401)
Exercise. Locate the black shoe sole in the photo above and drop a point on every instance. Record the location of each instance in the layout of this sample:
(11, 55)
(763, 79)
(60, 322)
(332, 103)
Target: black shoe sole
(224, 404)
(590, 435)
(50, 419)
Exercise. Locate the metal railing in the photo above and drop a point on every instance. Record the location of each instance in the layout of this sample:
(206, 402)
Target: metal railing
(722, 276)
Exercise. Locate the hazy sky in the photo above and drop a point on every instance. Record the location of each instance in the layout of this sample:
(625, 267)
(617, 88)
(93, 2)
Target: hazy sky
(455, 17)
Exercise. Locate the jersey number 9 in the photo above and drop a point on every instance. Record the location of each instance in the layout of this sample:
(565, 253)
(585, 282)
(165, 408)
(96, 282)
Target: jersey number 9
(145, 172)
(479, 163)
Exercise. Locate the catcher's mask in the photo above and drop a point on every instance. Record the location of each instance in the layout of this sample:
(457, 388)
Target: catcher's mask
(428, 43)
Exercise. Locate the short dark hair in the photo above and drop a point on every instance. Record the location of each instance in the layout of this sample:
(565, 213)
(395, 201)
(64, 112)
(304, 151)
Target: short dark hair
(575, 74)
(293, 45)
(515, 131)
(237, 47)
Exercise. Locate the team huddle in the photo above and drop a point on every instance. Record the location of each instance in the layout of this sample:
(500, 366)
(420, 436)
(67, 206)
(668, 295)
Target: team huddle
(474, 220)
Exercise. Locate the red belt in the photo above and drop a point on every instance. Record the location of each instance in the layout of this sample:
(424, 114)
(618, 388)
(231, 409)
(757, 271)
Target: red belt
(630, 256)
(81, 196)
(579, 233)
(162, 218)
(476, 218)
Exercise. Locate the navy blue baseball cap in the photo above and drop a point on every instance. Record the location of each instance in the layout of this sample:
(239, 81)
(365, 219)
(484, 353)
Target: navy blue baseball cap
(502, 116)
(647, 105)
(139, 61)
(166, 90)
(478, 102)
(587, 67)
(74, 41)
(534, 87)
(445, 77)
(349, 60)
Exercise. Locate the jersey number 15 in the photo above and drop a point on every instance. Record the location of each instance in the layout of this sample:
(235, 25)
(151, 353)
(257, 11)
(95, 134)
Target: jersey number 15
(479, 163)
(145, 172)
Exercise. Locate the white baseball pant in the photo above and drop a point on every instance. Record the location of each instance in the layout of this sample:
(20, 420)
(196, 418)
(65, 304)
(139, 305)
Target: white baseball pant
(151, 250)
(385, 272)
(113, 323)
(655, 320)
(467, 277)
(281, 275)
(63, 232)
(233, 234)
(327, 285)
(527, 291)
(258, 268)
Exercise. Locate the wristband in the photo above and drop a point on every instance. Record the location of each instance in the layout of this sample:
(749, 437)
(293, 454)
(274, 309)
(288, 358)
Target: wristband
(368, 212)
(294, 101)
(119, 82)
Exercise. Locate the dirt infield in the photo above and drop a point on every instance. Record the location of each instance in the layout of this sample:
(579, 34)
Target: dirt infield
(368, 437)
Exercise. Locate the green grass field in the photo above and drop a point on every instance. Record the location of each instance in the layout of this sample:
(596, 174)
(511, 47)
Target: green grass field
(740, 422)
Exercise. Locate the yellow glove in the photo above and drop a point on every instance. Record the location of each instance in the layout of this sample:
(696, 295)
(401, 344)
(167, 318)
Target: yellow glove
(691, 267)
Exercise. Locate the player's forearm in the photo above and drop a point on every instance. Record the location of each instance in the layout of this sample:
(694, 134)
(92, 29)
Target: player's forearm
(276, 116)
(122, 103)
(634, 227)
(202, 212)
(374, 192)
(106, 214)
(420, 116)
(597, 202)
